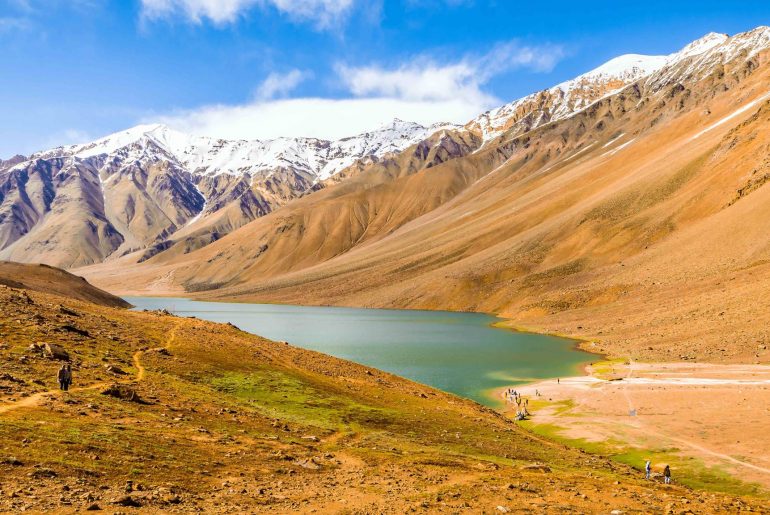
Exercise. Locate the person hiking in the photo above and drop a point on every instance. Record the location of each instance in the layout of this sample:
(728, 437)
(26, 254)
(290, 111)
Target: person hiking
(647, 469)
(667, 474)
(68, 378)
(61, 376)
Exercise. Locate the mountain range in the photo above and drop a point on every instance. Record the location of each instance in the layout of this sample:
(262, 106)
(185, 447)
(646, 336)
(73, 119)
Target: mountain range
(627, 206)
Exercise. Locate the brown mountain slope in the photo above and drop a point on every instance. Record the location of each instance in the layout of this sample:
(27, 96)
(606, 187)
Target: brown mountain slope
(169, 414)
(47, 279)
(640, 222)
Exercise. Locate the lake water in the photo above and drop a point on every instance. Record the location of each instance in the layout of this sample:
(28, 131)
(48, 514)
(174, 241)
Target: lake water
(455, 352)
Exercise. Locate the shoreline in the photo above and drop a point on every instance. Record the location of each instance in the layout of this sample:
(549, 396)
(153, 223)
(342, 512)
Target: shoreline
(672, 412)
(496, 322)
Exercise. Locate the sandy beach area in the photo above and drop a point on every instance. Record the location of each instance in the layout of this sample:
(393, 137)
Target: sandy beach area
(718, 415)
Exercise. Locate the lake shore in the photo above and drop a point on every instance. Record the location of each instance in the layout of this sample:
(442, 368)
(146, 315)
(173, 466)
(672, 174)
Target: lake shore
(716, 415)
(464, 353)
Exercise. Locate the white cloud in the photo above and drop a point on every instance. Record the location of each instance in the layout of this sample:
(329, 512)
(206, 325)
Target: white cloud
(279, 84)
(321, 13)
(312, 117)
(424, 79)
(416, 81)
(421, 90)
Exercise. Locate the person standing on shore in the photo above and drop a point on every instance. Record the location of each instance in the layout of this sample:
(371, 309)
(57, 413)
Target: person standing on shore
(647, 469)
(667, 475)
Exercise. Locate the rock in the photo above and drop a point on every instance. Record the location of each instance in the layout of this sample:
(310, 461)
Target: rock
(616, 512)
(112, 369)
(67, 311)
(308, 464)
(9, 377)
(123, 392)
(12, 461)
(41, 473)
(502, 509)
(53, 351)
(126, 500)
(72, 329)
(310, 438)
(172, 499)
(93, 507)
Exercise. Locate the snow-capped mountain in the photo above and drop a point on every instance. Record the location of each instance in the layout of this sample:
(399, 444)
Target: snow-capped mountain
(151, 188)
(211, 156)
(572, 96)
(135, 188)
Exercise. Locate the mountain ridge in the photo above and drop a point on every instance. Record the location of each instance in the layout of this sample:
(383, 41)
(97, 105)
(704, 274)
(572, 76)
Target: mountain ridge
(593, 225)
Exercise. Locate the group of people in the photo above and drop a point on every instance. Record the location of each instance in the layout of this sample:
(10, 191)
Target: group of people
(65, 377)
(512, 395)
(648, 472)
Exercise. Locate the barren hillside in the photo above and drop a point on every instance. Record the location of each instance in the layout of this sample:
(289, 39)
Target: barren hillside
(44, 278)
(639, 222)
(178, 415)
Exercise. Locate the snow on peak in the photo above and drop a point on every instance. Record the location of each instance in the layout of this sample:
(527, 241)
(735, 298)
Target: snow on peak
(212, 156)
(572, 96)
(629, 68)
(713, 49)
(702, 45)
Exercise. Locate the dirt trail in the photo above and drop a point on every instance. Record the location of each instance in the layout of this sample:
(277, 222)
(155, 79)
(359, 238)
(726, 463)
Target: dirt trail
(35, 399)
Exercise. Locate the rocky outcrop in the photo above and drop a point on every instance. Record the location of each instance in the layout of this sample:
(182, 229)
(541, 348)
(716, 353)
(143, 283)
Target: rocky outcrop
(151, 188)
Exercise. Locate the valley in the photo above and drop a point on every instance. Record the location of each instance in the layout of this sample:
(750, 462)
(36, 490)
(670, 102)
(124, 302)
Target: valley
(620, 217)
(312, 329)
(178, 414)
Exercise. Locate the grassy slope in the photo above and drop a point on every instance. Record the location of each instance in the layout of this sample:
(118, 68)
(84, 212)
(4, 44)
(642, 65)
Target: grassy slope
(229, 420)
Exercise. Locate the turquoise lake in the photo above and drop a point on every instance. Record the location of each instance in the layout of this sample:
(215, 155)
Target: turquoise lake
(455, 352)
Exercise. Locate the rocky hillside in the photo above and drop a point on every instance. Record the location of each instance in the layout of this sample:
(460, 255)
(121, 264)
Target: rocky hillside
(176, 415)
(639, 222)
(47, 279)
(149, 189)
(139, 189)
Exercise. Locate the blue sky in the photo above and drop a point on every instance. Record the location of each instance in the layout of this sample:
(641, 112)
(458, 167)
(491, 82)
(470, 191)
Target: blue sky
(74, 70)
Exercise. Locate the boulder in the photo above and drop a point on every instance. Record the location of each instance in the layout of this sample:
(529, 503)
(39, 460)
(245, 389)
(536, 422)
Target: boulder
(53, 351)
(123, 392)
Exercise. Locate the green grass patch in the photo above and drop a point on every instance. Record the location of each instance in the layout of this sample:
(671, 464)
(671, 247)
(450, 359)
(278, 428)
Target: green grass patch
(280, 395)
(608, 368)
(688, 471)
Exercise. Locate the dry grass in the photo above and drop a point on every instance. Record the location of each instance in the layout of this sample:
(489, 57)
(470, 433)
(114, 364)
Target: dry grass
(236, 422)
